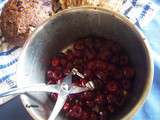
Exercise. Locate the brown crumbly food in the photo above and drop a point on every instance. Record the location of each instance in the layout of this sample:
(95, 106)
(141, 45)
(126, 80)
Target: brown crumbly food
(19, 17)
(64, 4)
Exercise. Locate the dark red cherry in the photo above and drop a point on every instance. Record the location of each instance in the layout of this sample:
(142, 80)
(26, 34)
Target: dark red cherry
(76, 111)
(110, 108)
(85, 116)
(63, 62)
(90, 54)
(69, 55)
(91, 65)
(111, 69)
(71, 97)
(103, 115)
(88, 74)
(112, 86)
(78, 54)
(56, 61)
(66, 71)
(101, 65)
(93, 116)
(120, 100)
(99, 99)
(128, 72)
(66, 106)
(69, 66)
(110, 98)
(88, 95)
(79, 45)
(90, 104)
(57, 74)
(82, 82)
(50, 74)
(54, 96)
(106, 55)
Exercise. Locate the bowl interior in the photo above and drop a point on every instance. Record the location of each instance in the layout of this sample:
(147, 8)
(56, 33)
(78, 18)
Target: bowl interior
(62, 30)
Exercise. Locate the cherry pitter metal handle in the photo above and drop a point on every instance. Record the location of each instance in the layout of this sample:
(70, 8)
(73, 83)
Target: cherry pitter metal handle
(63, 90)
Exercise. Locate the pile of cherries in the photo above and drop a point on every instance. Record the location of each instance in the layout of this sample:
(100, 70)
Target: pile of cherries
(106, 64)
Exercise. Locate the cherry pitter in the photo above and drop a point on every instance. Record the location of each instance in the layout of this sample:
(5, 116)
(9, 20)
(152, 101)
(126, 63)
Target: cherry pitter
(63, 89)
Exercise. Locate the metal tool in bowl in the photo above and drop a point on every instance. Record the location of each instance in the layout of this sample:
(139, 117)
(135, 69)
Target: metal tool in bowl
(63, 90)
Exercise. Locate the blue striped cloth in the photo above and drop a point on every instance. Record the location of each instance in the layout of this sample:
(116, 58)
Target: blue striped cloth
(140, 12)
(8, 60)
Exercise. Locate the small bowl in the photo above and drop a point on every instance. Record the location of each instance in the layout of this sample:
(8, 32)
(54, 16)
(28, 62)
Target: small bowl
(66, 27)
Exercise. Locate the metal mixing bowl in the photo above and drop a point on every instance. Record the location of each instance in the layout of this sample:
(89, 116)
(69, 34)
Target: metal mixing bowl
(66, 27)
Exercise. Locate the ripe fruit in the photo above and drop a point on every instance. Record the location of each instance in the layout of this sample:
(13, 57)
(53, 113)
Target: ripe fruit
(105, 64)
(75, 111)
(128, 72)
(66, 106)
(102, 115)
(82, 82)
(112, 86)
(54, 96)
(85, 116)
(88, 95)
(90, 104)
(99, 99)
(79, 45)
(56, 61)
(91, 65)
(93, 116)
